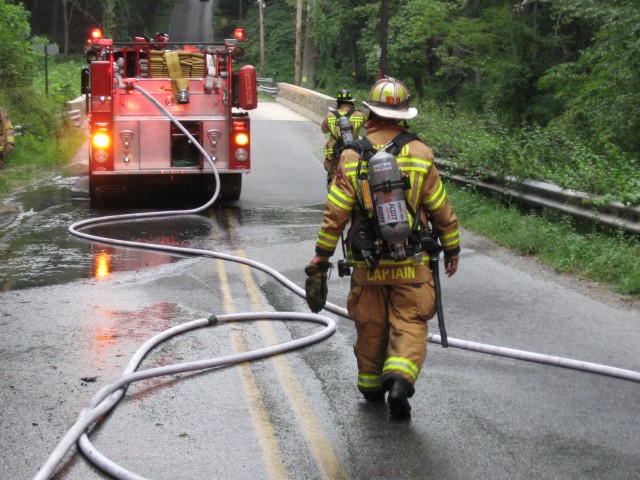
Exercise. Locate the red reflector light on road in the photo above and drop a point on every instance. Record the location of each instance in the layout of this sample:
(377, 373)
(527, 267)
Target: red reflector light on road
(102, 264)
(241, 139)
(238, 34)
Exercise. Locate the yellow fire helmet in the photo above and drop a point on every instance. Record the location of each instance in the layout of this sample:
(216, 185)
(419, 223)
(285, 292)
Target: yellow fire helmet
(389, 98)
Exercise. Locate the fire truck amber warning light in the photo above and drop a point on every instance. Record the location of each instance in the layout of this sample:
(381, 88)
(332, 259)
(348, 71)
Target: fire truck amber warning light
(96, 34)
(101, 140)
(242, 139)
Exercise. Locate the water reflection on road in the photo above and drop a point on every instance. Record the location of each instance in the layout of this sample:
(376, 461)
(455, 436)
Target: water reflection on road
(36, 248)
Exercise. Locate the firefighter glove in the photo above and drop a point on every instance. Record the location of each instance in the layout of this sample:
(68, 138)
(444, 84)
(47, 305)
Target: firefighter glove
(316, 285)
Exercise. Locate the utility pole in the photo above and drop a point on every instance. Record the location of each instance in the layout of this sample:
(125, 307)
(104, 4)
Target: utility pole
(384, 37)
(298, 42)
(261, 8)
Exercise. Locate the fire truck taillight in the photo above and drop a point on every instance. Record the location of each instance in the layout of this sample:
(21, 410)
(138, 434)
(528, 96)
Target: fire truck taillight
(101, 143)
(241, 139)
(101, 140)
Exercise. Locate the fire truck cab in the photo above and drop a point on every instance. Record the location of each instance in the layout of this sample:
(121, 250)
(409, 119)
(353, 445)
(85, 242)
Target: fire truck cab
(149, 102)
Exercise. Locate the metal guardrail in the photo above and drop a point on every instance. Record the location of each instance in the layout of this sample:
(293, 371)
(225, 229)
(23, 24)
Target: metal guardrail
(76, 116)
(547, 195)
(268, 85)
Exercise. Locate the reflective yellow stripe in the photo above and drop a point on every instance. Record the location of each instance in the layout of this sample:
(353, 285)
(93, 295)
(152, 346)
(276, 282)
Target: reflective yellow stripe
(327, 240)
(402, 365)
(327, 245)
(440, 202)
(328, 236)
(451, 239)
(351, 168)
(332, 126)
(369, 381)
(435, 195)
(416, 184)
(437, 199)
(411, 164)
(339, 199)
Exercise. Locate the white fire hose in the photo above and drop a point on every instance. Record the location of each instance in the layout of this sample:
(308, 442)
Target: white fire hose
(109, 395)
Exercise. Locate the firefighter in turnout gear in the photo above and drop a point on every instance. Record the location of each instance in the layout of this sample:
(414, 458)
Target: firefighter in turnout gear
(392, 293)
(329, 126)
(6, 136)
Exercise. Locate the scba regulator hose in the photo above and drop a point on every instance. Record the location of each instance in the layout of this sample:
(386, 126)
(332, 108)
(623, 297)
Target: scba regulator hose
(110, 395)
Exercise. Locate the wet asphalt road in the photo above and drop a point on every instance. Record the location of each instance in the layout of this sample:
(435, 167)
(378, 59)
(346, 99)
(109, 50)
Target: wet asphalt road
(72, 314)
(191, 21)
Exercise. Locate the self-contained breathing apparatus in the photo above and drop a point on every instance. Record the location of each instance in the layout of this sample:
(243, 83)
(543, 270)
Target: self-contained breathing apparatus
(345, 138)
(343, 134)
(386, 230)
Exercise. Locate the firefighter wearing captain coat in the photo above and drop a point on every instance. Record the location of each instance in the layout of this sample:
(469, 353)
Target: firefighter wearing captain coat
(391, 303)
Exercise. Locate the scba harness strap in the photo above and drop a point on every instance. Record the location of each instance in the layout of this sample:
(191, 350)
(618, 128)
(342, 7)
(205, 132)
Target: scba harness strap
(367, 151)
(394, 147)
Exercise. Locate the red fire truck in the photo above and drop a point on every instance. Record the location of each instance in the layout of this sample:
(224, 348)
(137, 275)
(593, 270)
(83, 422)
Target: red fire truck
(154, 106)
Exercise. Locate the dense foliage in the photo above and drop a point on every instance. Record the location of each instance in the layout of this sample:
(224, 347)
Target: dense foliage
(46, 137)
(67, 22)
(543, 89)
(20, 65)
(530, 88)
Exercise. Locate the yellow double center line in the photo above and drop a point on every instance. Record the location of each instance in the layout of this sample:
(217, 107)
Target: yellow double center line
(308, 422)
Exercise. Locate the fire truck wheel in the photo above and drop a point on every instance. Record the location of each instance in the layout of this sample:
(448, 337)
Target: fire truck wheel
(231, 185)
(101, 190)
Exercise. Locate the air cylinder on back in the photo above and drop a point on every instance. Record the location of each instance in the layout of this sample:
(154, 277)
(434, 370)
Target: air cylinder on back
(346, 129)
(387, 189)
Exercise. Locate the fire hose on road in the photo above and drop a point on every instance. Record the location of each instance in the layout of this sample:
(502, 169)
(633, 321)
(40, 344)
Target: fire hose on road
(110, 395)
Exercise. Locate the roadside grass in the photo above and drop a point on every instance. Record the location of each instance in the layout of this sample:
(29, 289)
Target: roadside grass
(48, 140)
(586, 251)
(35, 158)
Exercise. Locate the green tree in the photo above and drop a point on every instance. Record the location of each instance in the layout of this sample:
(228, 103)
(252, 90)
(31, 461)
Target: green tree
(18, 60)
(337, 30)
(600, 91)
(279, 27)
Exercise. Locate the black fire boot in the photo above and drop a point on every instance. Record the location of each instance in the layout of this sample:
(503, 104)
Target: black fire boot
(399, 392)
(377, 396)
